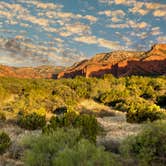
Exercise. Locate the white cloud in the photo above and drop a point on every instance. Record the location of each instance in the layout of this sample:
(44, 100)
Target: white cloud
(99, 41)
(42, 5)
(118, 2)
(76, 28)
(67, 16)
(142, 25)
(138, 9)
(130, 24)
(161, 39)
(65, 34)
(108, 44)
(114, 13)
(160, 13)
(6, 14)
(92, 19)
(24, 25)
(155, 31)
(35, 20)
(86, 39)
(142, 8)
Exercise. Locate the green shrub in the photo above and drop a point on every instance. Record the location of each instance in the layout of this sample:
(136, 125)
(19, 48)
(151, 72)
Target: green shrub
(113, 97)
(85, 153)
(149, 146)
(89, 126)
(148, 93)
(87, 123)
(81, 85)
(31, 121)
(4, 142)
(64, 120)
(142, 113)
(66, 93)
(64, 148)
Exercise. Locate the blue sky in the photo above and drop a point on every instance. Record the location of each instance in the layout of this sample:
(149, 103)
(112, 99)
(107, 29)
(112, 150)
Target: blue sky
(61, 32)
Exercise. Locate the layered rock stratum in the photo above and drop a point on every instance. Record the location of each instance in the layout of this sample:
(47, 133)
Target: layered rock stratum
(121, 63)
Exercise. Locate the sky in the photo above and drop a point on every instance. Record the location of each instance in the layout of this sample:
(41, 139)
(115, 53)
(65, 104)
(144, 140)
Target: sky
(61, 32)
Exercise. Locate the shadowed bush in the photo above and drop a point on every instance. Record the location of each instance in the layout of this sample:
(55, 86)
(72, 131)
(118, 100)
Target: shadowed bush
(4, 142)
(161, 101)
(2, 117)
(31, 121)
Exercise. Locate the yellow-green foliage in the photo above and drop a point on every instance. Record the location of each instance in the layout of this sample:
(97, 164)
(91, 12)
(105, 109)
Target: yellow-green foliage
(26, 95)
(138, 113)
(66, 93)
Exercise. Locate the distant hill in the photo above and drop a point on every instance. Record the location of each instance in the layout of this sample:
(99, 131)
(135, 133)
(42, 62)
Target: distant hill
(30, 72)
(121, 63)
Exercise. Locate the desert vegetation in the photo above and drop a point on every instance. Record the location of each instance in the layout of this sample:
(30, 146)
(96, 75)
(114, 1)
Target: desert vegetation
(45, 110)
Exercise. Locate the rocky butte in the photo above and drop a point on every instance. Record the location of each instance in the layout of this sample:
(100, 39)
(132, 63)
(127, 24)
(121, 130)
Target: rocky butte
(121, 63)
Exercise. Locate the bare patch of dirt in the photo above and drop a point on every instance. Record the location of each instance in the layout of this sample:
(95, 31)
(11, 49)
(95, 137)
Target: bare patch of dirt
(116, 130)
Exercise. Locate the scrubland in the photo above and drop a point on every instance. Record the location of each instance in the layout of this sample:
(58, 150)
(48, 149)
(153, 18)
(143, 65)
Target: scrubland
(83, 121)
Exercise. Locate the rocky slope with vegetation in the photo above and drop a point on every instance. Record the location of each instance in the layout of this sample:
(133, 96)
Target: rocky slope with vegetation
(30, 72)
(121, 63)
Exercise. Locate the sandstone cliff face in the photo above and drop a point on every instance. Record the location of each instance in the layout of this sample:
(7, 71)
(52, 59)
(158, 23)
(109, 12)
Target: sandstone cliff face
(30, 72)
(121, 63)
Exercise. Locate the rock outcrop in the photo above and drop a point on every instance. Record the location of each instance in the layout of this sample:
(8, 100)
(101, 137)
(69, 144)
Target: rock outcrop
(30, 72)
(121, 63)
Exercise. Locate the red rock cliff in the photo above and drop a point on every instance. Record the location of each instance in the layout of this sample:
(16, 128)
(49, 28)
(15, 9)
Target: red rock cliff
(121, 63)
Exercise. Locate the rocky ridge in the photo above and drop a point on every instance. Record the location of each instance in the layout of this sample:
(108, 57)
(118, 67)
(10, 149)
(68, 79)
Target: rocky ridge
(121, 63)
